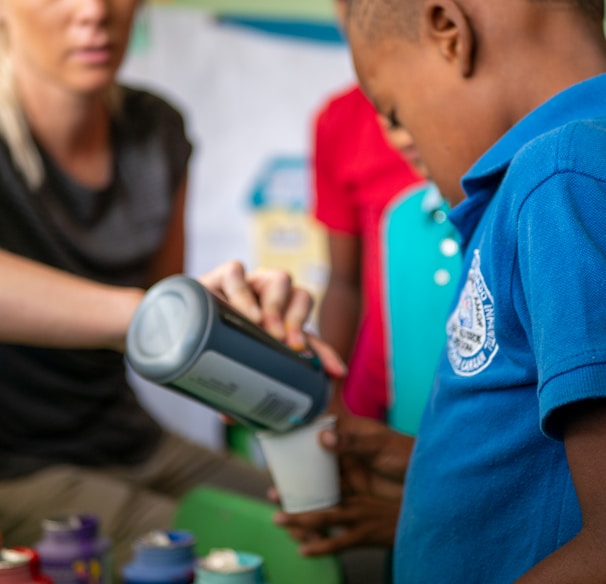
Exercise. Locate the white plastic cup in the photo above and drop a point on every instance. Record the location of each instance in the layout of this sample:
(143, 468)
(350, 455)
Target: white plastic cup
(305, 474)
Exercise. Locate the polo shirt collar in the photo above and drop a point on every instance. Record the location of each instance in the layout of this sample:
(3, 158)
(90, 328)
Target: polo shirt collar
(580, 101)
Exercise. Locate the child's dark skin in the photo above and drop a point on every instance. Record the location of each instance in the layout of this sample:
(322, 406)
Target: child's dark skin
(457, 75)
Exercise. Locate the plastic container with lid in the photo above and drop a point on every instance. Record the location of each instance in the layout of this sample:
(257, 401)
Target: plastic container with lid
(73, 551)
(227, 566)
(162, 557)
(21, 565)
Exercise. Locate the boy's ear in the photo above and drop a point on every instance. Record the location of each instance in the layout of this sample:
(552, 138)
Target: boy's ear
(447, 24)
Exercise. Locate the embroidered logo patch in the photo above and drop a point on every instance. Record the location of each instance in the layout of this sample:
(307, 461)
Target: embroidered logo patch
(472, 344)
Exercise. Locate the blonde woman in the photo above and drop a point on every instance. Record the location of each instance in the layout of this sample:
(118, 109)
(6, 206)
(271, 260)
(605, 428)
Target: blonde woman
(92, 190)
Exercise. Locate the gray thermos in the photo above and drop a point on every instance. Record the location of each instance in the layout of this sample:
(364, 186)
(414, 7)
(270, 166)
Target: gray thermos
(185, 338)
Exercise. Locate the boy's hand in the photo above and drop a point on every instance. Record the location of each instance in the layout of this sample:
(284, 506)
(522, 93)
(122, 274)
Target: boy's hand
(373, 460)
(373, 457)
(357, 521)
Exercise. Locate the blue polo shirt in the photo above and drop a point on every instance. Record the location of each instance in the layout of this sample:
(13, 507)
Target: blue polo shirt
(489, 493)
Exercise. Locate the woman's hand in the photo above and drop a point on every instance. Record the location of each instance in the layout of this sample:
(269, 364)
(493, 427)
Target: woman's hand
(268, 298)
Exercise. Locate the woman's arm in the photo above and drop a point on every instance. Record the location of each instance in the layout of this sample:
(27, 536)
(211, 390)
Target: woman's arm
(44, 306)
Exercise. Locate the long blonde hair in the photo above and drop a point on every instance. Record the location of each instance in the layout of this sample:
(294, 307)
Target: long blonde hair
(13, 125)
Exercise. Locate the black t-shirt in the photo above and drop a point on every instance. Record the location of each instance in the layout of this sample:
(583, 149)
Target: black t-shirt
(75, 406)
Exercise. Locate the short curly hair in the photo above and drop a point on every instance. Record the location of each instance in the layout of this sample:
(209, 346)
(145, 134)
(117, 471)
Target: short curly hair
(379, 18)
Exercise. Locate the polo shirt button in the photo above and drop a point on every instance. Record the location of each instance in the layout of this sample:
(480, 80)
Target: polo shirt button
(439, 216)
(449, 247)
(441, 277)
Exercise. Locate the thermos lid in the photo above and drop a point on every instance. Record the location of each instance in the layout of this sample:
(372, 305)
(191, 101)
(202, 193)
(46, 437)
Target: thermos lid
(166, 539)
(168, 328)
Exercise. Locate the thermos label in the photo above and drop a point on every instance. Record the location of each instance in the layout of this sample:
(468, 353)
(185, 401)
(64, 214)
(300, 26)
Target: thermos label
(229, 385)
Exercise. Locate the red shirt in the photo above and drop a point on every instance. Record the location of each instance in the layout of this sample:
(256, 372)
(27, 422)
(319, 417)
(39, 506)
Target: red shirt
(357, 174)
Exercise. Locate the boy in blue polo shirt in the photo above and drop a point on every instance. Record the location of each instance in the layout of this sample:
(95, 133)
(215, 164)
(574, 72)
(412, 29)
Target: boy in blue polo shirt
(507, 479)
